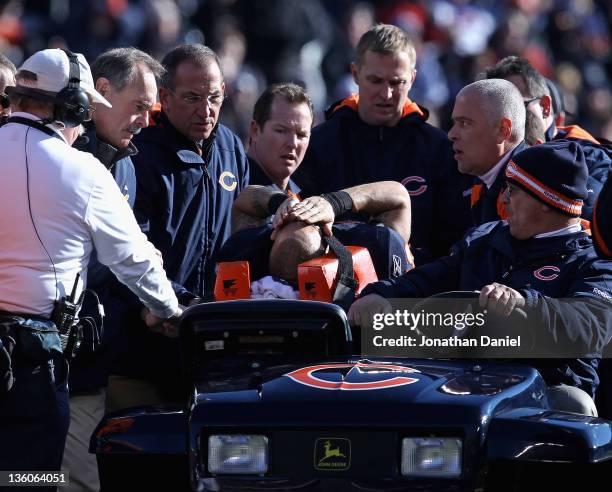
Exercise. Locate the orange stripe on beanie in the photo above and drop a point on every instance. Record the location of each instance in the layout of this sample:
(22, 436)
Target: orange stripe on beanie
(554, 173)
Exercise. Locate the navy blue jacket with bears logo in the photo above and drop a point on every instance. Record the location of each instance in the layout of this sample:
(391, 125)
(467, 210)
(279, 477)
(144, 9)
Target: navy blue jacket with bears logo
(183, 204)
(490, 254)
(345, 151)
(184, 199)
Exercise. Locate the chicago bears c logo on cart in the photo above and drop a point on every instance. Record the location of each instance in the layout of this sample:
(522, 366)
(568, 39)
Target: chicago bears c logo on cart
(387, 375)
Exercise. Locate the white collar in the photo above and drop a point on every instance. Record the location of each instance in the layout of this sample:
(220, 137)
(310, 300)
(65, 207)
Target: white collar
(570, 229)
(53, 126)
(489, 177)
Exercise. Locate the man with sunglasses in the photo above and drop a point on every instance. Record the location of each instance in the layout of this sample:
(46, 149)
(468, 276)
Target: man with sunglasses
(189, 170)
(537, 98)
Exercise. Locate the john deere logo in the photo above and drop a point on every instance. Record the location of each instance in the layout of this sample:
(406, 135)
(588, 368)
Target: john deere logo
(332, 453)
(227, 287)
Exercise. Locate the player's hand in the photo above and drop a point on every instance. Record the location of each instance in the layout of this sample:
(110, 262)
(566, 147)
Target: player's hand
(314, 210)
(281, 217)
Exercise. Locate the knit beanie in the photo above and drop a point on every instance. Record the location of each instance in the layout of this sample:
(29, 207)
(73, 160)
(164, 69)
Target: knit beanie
(554, 173)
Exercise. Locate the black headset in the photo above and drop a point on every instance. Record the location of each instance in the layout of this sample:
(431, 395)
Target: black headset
(71, 103)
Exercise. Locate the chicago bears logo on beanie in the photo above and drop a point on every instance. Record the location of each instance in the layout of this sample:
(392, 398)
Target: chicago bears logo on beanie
(554, 173)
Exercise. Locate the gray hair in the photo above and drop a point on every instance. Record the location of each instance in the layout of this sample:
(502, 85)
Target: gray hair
(7, 64)
(499, 99)
(119, 66)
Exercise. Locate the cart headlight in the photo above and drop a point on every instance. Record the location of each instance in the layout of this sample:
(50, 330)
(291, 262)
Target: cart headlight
(431, 457)
(237, 454)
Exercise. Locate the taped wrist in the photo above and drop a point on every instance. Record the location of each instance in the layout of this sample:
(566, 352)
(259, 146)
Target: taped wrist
(275, 202)
(340, 202)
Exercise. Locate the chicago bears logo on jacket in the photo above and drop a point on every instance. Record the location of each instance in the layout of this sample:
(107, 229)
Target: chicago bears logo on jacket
(541, 274)
(415, 190)
(228, 181)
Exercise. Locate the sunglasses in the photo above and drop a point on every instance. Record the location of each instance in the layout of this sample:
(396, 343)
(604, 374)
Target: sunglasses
(527, 102)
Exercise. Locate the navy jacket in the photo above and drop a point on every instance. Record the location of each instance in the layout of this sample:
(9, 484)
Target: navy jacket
(183, 203)
(184, 199)
(598, 158)
(489, 254)
(89, 369)
(344, 151)
(487, 204)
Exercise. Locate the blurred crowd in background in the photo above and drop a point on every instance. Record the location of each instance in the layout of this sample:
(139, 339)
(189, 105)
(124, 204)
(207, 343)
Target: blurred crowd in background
(312, 42)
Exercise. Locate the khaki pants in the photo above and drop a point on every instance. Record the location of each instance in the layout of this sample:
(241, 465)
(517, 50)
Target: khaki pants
(86, 411)
(125, 392)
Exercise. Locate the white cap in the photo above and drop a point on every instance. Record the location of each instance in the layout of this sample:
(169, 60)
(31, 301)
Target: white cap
(52, 69)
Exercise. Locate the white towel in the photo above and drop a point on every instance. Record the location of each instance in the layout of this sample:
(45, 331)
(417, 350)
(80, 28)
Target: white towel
(268, 288)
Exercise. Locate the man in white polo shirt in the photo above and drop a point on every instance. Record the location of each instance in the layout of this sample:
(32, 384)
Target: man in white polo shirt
(57, 204)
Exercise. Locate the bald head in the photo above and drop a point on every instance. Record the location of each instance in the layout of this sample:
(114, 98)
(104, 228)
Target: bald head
(295, 243)
(488, 121)
(497, 99)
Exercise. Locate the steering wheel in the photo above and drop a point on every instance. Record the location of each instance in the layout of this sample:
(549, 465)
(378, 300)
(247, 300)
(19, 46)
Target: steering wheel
(466, 303)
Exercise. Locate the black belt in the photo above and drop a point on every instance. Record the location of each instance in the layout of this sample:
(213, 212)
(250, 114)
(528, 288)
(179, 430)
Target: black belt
(25, 315)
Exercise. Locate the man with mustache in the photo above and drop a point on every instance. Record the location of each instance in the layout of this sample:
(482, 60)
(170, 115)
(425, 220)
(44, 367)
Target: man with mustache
(126, 77)
(189, 170)
(63, 203)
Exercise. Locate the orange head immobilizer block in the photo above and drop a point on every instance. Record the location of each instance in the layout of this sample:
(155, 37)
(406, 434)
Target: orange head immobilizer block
(317, 277)
(233, 281)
